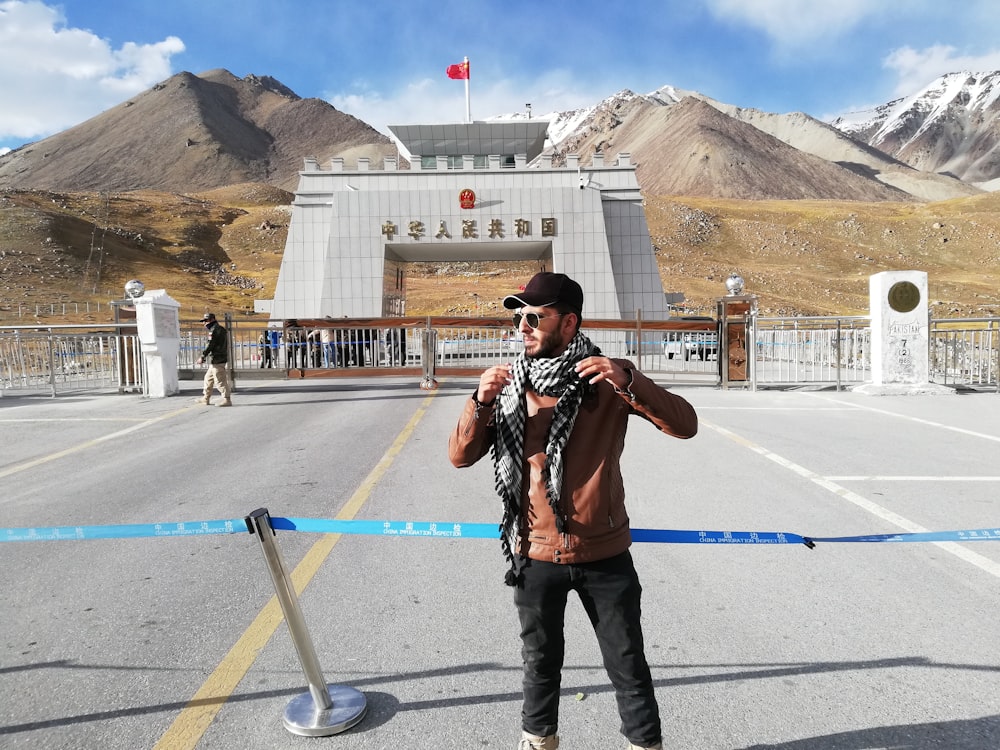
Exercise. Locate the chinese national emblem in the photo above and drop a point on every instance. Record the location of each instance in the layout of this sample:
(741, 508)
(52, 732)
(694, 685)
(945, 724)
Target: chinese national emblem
(467, 199)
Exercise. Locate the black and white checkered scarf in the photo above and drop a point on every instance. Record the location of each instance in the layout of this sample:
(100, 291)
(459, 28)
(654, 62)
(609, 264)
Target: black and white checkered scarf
(554, 376)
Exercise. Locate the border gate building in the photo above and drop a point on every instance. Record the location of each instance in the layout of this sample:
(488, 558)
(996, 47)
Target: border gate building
(480, 191)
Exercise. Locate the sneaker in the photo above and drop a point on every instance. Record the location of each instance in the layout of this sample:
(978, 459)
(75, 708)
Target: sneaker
(204, 401)
(534, 742)
(657, 746)
(225, 402)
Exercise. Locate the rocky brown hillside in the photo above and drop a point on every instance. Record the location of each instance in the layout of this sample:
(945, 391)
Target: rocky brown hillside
(691, 148)
(214, 129)
(815, 257)
(186, 188)
(218, 250)
(221, 249)
(194, 132)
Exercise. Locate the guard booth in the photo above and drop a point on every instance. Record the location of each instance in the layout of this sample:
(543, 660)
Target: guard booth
(736, 312)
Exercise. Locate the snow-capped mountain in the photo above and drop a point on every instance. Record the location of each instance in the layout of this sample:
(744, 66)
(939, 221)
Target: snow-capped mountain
(561, 124)
(746, 165)
(952, 126)
(943, 142)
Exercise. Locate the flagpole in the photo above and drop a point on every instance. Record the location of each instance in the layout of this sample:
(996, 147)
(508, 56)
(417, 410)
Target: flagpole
(468, 102)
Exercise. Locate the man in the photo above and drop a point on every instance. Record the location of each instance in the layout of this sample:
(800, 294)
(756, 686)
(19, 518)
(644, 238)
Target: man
(556, 420)
(217, 356)
(295, 341)
(264, 346)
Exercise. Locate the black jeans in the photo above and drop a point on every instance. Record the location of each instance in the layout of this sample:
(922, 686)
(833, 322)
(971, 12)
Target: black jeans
(610, 593)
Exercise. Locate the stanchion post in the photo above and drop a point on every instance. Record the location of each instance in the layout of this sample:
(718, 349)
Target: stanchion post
(325, 709)
(52, 364)
(429, 355)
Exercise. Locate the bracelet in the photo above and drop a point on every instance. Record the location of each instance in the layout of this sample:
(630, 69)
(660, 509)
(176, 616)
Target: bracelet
(479, 404)
(627, 390)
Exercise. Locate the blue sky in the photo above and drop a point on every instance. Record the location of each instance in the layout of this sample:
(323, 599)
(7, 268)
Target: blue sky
(384, 60)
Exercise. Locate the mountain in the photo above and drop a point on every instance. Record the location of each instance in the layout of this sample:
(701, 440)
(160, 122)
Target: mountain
(688, 147)
(749, 167)
(951, 126)
(74, 228)
(194, 132)
(818, 138)
(200, 132)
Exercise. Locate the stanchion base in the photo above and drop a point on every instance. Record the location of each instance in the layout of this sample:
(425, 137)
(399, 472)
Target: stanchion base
(303, 718)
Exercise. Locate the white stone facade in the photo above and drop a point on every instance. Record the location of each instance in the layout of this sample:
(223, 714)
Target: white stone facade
(351, 229)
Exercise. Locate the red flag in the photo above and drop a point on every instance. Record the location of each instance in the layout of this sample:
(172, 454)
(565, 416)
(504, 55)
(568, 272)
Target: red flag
(459, 71)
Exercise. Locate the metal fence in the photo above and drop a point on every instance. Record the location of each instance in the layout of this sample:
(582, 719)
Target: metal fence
(810, 350)
(58, 308)
(455, 342)
(830, 351)
(965, 351)
(447, 345)
(58, 360)
(815, 350)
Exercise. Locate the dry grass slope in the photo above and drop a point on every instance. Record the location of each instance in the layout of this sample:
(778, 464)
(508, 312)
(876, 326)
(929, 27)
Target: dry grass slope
(222, 249)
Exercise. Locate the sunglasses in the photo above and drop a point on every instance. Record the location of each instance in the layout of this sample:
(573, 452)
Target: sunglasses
(533, 319)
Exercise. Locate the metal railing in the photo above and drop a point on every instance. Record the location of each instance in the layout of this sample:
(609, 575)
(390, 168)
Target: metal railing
(965, 351)
(787, 351)
(37, 310)
(57, 359)
(459, 345)
(810, 350)
(399, 342)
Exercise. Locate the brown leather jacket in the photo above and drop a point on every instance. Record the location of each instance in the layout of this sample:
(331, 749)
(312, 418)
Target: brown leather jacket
(593, 497)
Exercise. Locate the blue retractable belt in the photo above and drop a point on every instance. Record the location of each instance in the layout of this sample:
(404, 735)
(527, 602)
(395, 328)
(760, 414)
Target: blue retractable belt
(123, 531)
(453, 530)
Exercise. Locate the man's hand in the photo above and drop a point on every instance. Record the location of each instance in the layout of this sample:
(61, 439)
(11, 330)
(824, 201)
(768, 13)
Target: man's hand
(596, 369)
(201, 360)
(492, 382)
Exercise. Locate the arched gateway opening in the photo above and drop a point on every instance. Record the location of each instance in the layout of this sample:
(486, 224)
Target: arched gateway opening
(473, 192)
(438, 269)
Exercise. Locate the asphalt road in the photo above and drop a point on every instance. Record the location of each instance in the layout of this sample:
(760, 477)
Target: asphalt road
(176, 642)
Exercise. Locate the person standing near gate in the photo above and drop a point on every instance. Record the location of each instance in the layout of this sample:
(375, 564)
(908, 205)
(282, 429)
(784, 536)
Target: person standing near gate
(295, 343)
(555, 420)
(216, 354)
(264, 349)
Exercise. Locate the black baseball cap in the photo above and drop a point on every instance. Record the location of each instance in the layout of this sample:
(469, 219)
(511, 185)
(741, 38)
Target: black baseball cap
(545, 290)
(208, 317)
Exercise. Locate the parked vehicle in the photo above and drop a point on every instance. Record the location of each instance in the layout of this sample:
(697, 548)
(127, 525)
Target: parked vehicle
(651, 343)
(465, 346)
(691, 343)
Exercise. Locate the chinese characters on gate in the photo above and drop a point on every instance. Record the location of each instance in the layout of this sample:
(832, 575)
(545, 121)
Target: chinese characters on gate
(495, 229)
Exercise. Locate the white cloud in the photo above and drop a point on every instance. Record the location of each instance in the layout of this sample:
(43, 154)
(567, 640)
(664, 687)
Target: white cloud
(794, 23)
(60, 76)
(916, 68)
(432, 101)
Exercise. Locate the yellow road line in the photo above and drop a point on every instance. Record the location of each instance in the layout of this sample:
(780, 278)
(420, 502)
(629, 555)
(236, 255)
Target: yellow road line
(88, 444)
(195, 718)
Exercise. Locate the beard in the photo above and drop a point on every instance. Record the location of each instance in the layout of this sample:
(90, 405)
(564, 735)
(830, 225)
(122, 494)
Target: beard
(548, 344)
